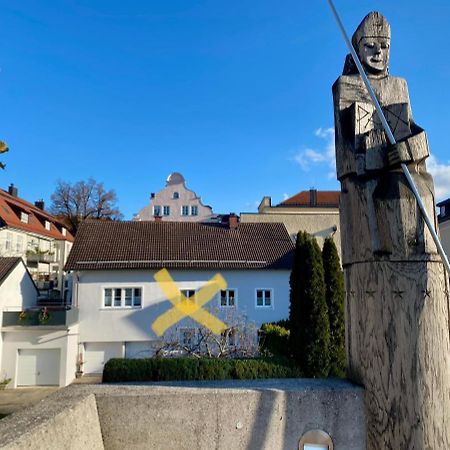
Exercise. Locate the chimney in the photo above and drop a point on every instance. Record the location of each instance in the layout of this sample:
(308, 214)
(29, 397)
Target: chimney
(266, 202)
(152, 195)
(158, 218)
(40, 204)
(313, 197)
(232, 221)
(12, 190)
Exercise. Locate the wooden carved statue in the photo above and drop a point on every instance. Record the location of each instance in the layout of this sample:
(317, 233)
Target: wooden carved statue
(397, 290)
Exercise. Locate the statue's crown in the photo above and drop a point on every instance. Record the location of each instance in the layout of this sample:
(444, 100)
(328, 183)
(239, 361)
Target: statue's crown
(373, 25)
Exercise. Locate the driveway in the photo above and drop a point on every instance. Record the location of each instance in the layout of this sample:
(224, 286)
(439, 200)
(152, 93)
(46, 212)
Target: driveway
(12, 400)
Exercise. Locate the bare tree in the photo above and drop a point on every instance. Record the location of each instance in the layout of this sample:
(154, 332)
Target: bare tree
(83, 200)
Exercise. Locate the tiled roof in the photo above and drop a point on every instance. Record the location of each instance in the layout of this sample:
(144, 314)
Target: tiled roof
(323, 199)
(188, 245)
(6, 265)
(11, 207)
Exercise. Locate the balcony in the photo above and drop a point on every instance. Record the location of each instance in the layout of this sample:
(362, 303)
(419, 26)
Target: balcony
(41, 257)
(60, 317)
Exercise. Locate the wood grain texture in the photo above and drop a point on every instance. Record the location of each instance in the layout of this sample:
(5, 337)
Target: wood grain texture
(398, 349)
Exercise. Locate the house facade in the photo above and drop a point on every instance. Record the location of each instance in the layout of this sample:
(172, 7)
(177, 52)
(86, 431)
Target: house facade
(38, 345)
(313, 211)
(39, 238)
(115, 266)
(444, 224)
(175, 203)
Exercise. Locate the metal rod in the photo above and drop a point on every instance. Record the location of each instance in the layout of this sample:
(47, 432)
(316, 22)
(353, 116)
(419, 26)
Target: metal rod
(391, 138)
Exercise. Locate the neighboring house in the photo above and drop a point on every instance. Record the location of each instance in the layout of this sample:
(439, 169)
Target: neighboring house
(26, 230)
(316, 212)
(175, 203)
(37, 346)
(113, 266)
(444, 224)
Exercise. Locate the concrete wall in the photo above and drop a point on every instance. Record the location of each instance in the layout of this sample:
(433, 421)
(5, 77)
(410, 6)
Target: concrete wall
(100, 324)
(318, 222)
(40, 338)
(238, 415)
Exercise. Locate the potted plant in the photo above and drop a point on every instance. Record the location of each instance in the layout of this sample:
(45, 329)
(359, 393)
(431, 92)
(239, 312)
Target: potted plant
(44, 316)
(80, 362)
(23, 315)
(4, 382)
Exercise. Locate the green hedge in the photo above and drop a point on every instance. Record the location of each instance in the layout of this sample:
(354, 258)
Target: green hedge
(171, 369)
(274, 339)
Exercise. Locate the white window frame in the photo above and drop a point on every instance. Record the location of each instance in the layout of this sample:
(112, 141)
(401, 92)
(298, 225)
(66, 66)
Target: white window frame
(157, 210)
(183, 209)
(122, 297)
(19, 244)
(63, 231)
(24, 217)
(271, 298)
(9, 241)
(196, 210)
(166, 208)
(47, 225)
(227, 305)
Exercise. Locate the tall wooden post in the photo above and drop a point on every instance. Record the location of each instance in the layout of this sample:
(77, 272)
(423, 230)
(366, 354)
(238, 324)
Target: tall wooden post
(397, 313)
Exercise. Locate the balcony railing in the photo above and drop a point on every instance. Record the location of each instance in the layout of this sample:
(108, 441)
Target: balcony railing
(35, 317)
(41, 257)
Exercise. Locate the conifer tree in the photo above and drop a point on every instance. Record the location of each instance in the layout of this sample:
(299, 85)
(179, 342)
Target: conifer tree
(310, 329)
(335, 296)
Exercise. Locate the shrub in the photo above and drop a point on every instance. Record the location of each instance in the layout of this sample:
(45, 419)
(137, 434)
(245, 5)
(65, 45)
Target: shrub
(172, 369)
(335, 296)
(274, 339)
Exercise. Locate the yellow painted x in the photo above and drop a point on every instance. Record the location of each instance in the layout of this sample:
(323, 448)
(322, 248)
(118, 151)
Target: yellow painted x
(188, 307)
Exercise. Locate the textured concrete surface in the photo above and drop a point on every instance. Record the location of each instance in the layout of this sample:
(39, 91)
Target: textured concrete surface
(58, 422)
(261, 414)
(13, 400)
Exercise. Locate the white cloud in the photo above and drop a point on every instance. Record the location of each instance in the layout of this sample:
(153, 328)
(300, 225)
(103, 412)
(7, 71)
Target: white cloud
(441, 177)
(310, 157)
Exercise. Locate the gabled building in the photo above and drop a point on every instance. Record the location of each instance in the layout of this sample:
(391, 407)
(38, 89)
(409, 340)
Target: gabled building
(175, 203)
(42, 240)
(38, 345)
(444, 224)
(114, 264)
(313, 211)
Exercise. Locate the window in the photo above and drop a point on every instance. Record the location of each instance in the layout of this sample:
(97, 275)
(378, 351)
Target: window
(166, 210)
(176, 195)
(122, 297)
(19, 244)
(47, 225)
(443, 210)
(63, 231)
(23, 217)
(228, 297)
(194, 210)
(263, 297)
(157, 210)
(187, 336)
(185, 210)
(188, 293)
(8, 243)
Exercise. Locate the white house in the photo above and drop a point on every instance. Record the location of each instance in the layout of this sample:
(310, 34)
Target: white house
(114, 265)
(41, 239)
(38, 345)
(175, 203)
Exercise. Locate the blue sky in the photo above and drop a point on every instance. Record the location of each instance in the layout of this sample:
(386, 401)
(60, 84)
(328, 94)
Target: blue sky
(234, 95)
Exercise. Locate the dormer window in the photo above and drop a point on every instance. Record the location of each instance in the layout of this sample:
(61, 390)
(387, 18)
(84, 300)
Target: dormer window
(176, 195)
(443, 210)
(47, 225)
(23, 217)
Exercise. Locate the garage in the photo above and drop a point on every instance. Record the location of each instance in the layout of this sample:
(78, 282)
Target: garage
(96, 354)
(38, 367)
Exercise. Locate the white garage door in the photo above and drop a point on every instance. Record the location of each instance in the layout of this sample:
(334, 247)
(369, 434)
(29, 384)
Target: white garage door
(96, 354)
(38, 367)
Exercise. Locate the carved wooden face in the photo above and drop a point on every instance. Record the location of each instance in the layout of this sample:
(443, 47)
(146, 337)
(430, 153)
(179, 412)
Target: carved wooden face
(374, 54)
